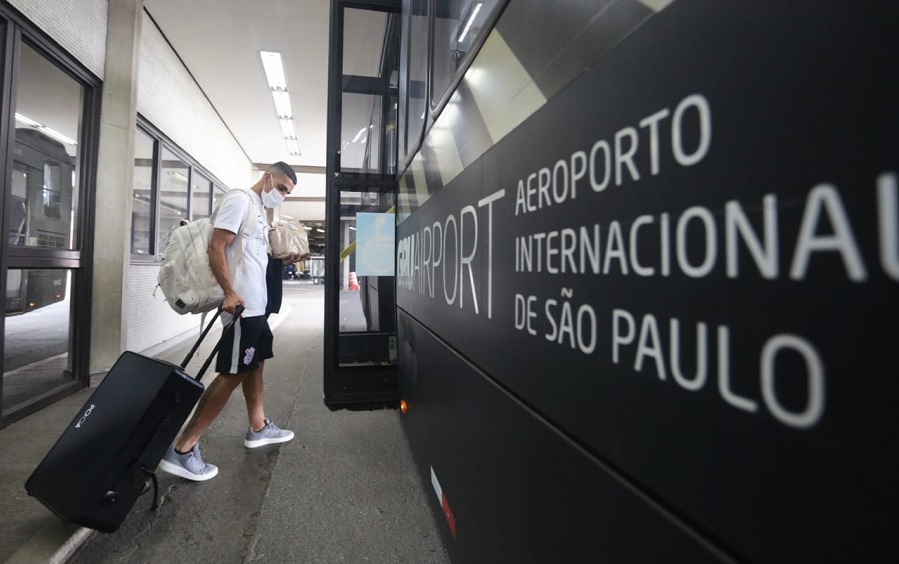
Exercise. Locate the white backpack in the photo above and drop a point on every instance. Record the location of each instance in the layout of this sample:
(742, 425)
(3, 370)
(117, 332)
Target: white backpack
(185, 277)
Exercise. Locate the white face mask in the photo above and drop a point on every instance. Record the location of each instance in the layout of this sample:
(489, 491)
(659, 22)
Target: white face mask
(272, 198)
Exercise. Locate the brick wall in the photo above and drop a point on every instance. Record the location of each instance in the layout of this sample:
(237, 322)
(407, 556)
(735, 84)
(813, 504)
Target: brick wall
(80, 27)
(150, 320)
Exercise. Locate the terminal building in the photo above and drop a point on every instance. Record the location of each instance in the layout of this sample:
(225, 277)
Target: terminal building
(621, 275)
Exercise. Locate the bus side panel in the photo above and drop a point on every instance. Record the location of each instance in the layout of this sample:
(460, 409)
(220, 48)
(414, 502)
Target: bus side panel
(686, 260)
(508, 487)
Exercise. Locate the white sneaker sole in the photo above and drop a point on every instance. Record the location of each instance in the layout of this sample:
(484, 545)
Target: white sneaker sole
(271, 441)
(182, 472)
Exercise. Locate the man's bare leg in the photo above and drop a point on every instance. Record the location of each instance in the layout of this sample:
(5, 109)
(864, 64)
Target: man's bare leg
(211, 404)
(260, 433)
(252, 393)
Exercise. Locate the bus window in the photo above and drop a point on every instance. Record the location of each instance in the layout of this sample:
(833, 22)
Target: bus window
(413, 96)
(42, 192)
(52, 193)
(457, 32)
(18, 224)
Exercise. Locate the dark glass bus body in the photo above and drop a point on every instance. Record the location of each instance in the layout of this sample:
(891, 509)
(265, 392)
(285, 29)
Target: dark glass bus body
(647, 273)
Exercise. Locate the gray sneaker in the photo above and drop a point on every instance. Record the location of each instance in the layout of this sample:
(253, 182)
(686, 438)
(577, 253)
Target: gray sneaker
(189, 465)
(268, 435)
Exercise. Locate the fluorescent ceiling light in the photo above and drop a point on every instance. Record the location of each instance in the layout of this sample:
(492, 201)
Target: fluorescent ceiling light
(46, 130)
(353, 228)
(178, 175)
(287, 129)
(359, 135)
(319, 230)
(58, 136)
(282, 103)
(471, 18)
(274, 70)
(27, 121)
(277, 82)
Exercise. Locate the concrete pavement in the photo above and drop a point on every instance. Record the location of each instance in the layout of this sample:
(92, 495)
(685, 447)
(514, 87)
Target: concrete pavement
(344, 490)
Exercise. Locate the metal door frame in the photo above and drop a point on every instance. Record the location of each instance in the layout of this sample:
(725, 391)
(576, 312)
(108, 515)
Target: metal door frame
(338, 381)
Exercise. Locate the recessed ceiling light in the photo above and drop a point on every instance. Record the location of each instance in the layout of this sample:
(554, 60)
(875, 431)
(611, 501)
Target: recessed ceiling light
(277, 83)
(274, 70)
(58, 136)
(471, 18)
(27, 121)
(282, 103)
(287, 129)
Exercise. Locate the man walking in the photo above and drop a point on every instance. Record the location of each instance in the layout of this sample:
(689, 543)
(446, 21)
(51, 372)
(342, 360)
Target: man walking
(241, 358)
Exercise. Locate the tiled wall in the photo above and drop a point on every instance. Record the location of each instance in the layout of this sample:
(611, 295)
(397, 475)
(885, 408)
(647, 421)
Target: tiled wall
(151, 321)
(80, 27)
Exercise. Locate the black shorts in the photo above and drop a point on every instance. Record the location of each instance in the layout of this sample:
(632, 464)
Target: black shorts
(250, 342)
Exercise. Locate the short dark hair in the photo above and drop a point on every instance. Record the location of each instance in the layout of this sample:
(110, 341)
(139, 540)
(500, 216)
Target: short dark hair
(284, 169)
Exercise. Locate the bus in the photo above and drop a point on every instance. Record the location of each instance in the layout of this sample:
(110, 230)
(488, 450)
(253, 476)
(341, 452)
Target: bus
(40, 216)
(646, 274)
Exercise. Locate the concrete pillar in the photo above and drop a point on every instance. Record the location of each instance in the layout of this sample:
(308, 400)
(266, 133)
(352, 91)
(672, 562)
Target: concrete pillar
(115, 178)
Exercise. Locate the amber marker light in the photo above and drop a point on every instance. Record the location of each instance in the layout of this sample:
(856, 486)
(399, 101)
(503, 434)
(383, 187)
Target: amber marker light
(403, 406)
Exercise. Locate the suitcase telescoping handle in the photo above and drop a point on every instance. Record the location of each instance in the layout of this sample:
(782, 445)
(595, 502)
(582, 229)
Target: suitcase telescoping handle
(225, 332)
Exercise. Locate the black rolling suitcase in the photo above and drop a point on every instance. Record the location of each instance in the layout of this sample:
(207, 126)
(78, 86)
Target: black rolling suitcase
(100, 465)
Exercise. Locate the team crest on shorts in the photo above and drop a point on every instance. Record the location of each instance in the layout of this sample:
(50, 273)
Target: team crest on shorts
(248, 357)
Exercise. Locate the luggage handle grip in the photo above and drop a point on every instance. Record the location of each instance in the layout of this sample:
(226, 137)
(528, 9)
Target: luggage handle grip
(230, 325)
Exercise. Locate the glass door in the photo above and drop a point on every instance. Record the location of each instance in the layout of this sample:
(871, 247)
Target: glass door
(44, 270)
(360, 281)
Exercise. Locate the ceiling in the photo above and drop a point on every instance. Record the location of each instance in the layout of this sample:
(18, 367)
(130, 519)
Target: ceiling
(219, 42)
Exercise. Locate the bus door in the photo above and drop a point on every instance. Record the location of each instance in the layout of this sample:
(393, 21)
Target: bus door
(359, 277)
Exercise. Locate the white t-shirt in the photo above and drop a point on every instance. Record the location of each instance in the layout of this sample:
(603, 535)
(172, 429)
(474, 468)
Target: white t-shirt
(249, 276)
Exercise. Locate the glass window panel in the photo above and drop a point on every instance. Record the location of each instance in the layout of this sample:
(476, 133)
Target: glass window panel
(52, 191)
(142, 202)
(360, 133)
(48, 106)
(418, 73)
(372, 157)
(390, 139)
(367, 304)
(172, 195)
(18, 224)
(201, 193)
(36, 337)
(363, 39)
(457, 26)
